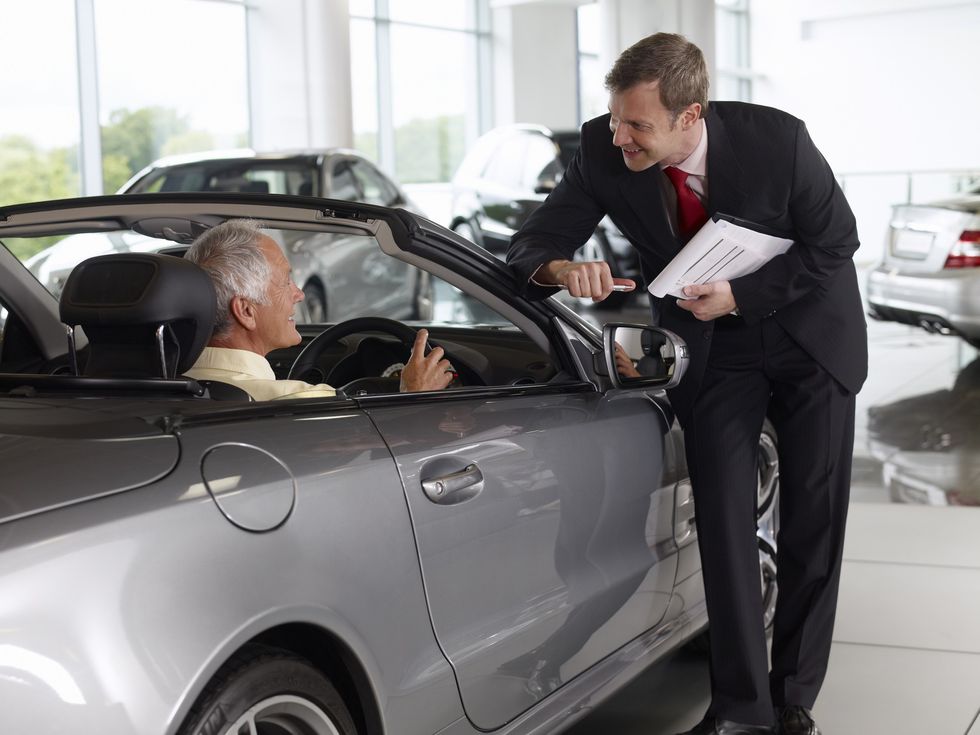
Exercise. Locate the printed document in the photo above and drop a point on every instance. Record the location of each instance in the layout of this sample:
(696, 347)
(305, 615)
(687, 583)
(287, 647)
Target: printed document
(723, 249)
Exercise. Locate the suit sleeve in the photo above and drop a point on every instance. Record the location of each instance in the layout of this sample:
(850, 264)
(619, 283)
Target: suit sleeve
(557, 228)
(825, 238)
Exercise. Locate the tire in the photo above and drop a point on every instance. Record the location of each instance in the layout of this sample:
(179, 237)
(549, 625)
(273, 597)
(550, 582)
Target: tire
(767, 528)
(465, 230)
(597, 248)
(424, 298)
(314, 303)
(268, 691)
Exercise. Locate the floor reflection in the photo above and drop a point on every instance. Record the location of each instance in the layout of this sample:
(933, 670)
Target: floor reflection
(928, 444)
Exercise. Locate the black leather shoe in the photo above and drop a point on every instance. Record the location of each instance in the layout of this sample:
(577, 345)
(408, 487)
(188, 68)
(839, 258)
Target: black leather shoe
(710, 726)
(796, 720)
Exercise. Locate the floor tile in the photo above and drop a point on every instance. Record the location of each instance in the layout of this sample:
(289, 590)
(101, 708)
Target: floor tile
(913, 534)
(910, 606)
(871, 690)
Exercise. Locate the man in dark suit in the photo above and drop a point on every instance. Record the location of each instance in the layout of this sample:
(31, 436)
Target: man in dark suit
(788, 341)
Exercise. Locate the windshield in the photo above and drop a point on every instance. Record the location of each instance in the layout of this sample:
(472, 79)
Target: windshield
(255, 177)
(342, 275)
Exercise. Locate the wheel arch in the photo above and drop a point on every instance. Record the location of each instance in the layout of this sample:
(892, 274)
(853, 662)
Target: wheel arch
(336, 661)
(323, 648)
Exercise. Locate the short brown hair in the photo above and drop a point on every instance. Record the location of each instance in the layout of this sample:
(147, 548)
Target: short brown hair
(670, 59)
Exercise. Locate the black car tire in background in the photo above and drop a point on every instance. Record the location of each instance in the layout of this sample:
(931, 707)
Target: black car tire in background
(315, 302)
(269, 691)
(466, 231)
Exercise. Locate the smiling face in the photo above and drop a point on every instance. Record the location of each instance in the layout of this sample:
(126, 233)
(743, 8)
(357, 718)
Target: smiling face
(647, 132)
(275, 324)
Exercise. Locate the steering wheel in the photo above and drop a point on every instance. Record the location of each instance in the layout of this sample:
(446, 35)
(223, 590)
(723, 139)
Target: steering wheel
(308, 358)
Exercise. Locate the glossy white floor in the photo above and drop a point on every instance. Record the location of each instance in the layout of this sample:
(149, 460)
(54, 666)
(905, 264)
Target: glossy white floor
(906, 653)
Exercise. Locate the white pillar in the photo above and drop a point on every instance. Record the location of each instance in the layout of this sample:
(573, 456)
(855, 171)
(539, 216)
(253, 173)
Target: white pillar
(624, 22)
(536, 65)
(299, 73)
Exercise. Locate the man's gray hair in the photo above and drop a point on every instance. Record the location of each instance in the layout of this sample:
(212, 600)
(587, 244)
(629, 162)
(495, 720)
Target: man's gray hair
(232, 255)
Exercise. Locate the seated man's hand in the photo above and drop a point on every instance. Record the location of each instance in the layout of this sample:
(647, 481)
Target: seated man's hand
(624, 365)
(426, 372)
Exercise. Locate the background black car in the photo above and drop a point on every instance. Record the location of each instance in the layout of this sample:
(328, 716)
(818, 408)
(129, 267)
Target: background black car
(507, 174)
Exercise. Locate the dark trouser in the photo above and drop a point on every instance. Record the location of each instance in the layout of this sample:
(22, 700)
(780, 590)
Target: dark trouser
(752, 371)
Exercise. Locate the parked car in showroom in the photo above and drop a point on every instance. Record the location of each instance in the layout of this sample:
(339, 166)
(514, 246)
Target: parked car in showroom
(930, 274)
(337, 281)
(178, 559)
(506, 175)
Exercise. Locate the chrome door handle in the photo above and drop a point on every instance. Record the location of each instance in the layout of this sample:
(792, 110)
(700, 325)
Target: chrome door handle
(454, 487)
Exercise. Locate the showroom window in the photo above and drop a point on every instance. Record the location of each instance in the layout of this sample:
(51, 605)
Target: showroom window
(39, 127)
(592, 97)
(733, 78)
(187, 93)
(420, 82)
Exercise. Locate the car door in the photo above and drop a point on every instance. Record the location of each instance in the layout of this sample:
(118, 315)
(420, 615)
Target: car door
(544, 528)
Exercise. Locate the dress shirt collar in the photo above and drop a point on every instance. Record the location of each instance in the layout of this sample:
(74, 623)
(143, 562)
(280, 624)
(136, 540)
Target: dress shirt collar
(696, 164)
(236, 361)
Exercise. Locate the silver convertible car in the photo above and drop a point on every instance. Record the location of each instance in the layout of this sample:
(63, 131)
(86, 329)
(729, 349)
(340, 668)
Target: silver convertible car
(176, 558)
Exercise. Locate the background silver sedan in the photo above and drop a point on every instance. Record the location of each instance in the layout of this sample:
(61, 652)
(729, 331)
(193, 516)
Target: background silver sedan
(930, 274)
(175, 558)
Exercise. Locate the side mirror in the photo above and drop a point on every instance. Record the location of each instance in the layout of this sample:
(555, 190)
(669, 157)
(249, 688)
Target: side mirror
(654, 357)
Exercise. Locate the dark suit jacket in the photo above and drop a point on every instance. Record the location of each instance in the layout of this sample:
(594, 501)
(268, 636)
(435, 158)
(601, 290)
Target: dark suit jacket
(762, 167)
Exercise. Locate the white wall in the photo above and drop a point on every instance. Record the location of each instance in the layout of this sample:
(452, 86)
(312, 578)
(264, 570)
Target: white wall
(884, 86)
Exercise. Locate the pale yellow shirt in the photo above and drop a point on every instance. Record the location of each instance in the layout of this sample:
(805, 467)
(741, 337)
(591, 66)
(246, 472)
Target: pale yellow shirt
(253, 373)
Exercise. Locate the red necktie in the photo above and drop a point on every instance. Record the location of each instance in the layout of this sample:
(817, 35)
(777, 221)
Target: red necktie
(690, 212)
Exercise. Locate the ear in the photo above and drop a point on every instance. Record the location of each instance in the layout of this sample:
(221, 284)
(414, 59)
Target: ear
(690, 115)
(243, 311)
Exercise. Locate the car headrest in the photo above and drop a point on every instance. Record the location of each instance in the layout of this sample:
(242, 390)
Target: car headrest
(145, 314)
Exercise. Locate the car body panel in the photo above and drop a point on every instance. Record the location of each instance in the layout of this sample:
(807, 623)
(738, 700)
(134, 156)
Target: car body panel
(304, 523)
(185, 599)
(567, 553)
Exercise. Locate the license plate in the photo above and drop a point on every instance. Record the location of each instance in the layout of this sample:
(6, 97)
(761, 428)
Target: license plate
(912, 243)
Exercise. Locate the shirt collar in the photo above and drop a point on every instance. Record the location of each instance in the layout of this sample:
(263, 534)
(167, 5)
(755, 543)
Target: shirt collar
(236, 361)
(696, 164)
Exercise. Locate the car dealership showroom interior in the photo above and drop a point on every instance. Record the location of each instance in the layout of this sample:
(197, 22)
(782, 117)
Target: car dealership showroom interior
(443, 367)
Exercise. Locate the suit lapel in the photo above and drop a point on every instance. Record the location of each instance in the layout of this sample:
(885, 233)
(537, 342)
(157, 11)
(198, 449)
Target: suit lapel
(726, 192)
(643, 192)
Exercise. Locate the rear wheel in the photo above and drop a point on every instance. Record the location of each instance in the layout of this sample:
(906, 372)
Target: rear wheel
(268, 691)
(767, 519)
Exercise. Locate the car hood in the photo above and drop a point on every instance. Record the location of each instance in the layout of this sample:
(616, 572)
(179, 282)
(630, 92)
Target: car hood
(56, 455)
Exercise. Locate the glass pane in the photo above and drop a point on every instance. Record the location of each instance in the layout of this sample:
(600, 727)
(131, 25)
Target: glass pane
(39, 126)
(444, 13)
(588, 29)
(361, 7)
(364, 86)
(187, 93)
(430, 118)
(593, 98)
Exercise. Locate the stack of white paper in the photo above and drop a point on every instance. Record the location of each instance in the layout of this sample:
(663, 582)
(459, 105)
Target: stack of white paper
(720, 251)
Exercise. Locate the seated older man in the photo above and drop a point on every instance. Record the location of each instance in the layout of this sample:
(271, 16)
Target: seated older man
(256, 296)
